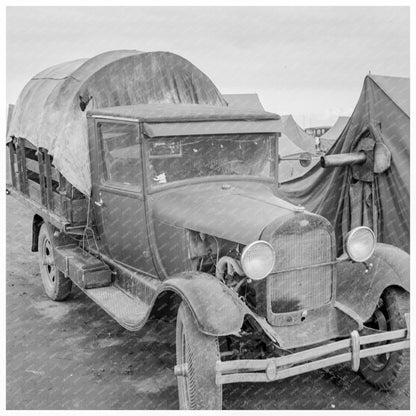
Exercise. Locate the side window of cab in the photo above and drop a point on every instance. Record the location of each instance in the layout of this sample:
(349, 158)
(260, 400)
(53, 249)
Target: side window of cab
(120, 154)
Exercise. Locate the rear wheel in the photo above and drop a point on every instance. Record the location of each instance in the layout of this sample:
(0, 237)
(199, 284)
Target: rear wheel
(56, 285)
(384, 371)
(196, 357)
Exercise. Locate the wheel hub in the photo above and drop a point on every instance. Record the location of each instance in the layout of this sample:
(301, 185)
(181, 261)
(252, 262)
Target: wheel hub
(48, 262)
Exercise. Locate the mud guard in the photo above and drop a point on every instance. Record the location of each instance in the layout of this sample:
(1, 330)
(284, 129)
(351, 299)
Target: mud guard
(216, 308)
(361, 290)
(59, 240)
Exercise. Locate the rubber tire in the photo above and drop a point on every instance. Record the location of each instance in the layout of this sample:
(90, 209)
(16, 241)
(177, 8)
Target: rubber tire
(56, 285)
(396, 371)
(198, 390)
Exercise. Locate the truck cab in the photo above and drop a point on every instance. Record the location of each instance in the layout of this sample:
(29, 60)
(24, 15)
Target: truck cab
(160, 172)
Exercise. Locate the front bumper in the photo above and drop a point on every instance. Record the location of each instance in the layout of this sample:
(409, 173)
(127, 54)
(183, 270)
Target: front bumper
(278, 368)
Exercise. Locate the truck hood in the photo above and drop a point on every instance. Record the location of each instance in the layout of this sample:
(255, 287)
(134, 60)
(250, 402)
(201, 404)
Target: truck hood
(233, 212)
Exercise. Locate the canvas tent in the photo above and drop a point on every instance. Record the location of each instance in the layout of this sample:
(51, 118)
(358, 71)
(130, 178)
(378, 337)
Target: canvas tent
(287, 147)
(243, 101)
(328, 139)
(48, 111)
(295, 133)
(352, 196)
(291, 136)
(289, 169)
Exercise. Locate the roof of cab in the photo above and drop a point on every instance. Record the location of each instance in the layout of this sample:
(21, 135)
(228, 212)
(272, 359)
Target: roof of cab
(165, 113)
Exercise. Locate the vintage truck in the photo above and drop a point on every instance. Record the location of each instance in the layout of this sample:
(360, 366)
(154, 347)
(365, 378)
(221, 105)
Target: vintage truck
(184, 219)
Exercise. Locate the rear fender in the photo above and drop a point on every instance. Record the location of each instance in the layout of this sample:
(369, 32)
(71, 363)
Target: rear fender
(361, 290)
(59, 238)
(216, 308)
(36, 224)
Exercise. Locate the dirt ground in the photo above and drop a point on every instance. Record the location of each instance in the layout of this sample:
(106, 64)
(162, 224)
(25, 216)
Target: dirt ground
(72, 355)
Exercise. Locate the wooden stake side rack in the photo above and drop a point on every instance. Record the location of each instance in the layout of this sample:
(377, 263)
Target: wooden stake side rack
(37, 183)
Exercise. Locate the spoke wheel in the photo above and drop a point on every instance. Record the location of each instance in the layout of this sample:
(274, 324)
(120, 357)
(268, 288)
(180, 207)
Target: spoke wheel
(384, 371)
(56, 285)
(196, 357)
(379, 321)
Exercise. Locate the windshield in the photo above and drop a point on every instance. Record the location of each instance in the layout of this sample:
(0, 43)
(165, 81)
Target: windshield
(179, 158)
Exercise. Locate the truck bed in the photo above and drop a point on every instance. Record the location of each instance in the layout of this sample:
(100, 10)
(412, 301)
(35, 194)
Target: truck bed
(36, 182)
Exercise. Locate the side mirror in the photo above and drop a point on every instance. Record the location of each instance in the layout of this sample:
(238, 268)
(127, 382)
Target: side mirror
(305, 159)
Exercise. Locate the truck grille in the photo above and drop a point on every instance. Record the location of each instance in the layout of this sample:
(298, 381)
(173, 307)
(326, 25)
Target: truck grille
(306, 287)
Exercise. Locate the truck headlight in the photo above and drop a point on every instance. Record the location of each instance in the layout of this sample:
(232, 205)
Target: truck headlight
(360, 243)
(258, 259)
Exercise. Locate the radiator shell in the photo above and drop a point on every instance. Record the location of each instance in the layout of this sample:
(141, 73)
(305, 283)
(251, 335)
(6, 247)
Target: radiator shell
(304, 276)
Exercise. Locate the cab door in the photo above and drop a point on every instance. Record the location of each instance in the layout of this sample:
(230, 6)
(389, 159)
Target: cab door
(118, 195)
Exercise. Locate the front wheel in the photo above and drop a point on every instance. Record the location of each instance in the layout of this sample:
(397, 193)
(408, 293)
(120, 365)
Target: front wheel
(56, 285)
(196, 357)
(383, 371)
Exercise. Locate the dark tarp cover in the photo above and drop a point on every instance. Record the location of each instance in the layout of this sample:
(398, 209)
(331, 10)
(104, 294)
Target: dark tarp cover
(352, 196)
(48, 113)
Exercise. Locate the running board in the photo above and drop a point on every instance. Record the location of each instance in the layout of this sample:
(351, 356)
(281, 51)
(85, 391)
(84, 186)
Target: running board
(93, 277)
(130, 313)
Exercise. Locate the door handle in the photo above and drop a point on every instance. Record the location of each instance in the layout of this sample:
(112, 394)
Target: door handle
(99, 203)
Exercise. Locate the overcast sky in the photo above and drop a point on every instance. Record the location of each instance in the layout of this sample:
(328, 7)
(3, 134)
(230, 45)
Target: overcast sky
(305, 61)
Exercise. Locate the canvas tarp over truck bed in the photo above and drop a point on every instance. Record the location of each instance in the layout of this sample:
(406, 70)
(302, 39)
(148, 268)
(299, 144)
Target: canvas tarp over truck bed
(48, 113)
(383, 114)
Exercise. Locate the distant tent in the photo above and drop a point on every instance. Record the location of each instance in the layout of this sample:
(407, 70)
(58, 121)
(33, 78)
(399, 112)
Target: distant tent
(354, 196)
(328, 139)
(289, 169)
(297, 135)
(245, 101)
(293, 142)
(287, 147)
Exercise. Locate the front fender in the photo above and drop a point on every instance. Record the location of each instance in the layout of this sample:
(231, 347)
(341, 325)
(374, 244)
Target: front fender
(216, 308)
(361, 291)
